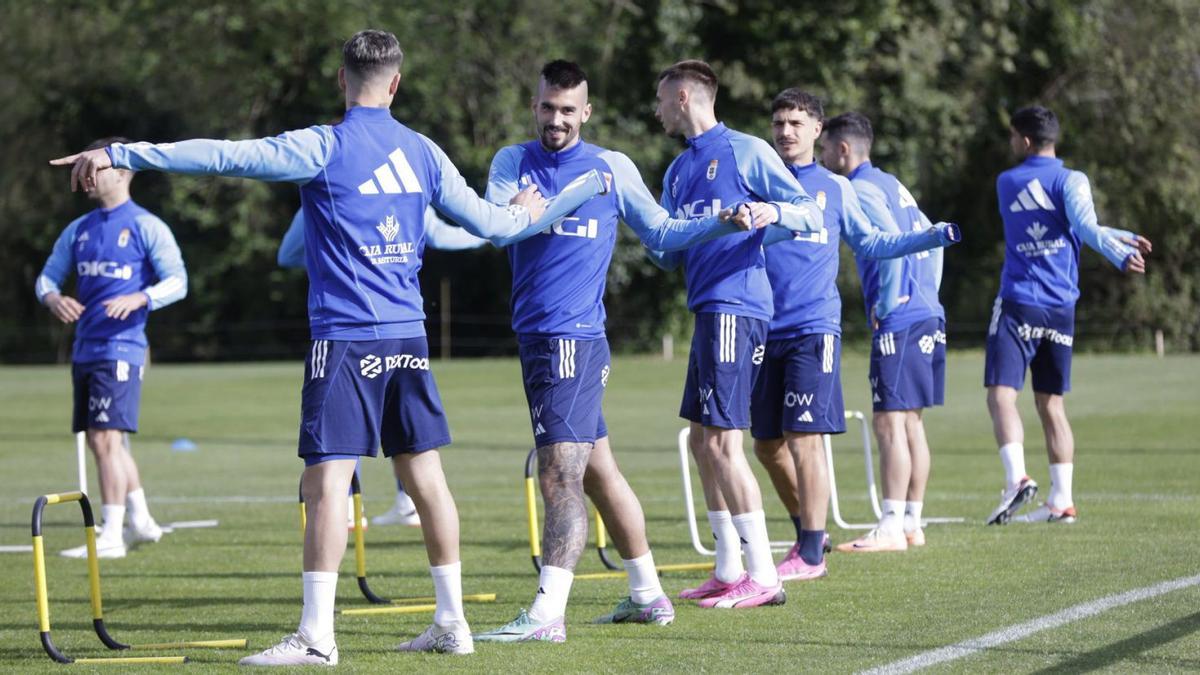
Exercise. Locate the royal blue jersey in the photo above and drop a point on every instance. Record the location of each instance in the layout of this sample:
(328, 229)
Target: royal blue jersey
(115, 252)
(365, 185)
(438, 234)
(559, 275)
(802, 267)
(1047, 211)
(891, 208)
(723, 168)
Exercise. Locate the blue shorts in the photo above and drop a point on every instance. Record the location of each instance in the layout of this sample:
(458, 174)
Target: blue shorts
(1037, 338)
(908, 367)
(107, 394)
(564, 385)
(723, 365)
(360, 396)
(800, 388)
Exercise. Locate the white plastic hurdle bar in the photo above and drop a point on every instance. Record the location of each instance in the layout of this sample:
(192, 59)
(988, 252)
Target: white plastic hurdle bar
(834, 502)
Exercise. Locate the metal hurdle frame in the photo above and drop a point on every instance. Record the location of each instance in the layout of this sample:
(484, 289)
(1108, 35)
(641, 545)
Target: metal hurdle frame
(43, 604)
(834, 502)
(395, 606)
(535, 538)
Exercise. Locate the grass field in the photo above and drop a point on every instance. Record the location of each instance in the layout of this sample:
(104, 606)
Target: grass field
(1136, 487)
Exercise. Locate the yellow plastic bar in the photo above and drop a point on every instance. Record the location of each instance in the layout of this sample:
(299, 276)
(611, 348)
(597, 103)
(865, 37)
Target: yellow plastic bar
(39, 585)
(472, 597)
(405, 609)
(683, 567)
(601, 534)
(63, 497)
(615, 574)
(239, 643)
(360, 548)
(535, 538)
(94, 573)
(134, 659)
(303, 519)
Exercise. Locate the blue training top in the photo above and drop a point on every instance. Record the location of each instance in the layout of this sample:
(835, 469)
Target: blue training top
(724, 168)
(1047, 211)
(559, 276)
(803, 267)
(114, 252)
(365, 185)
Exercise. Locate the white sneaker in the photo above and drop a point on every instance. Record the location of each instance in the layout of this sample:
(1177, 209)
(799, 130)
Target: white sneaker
(403, 512)
(293, 651)
(455, 639)
(1012, 499)
(105, 548)
(147, 532)
(1047, 514)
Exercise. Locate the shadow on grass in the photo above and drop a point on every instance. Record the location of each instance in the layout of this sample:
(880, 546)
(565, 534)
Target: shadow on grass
(1129, 648)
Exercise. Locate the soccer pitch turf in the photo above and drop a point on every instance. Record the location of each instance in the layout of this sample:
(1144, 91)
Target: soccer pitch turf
(1136, 489)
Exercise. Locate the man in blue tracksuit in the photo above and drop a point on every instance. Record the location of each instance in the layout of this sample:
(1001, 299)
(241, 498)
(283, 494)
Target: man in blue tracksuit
(558, 315)
(798, 398)
(1048, 212)
(364, 186)
(127, 264)
(908, 348)
(730, 295)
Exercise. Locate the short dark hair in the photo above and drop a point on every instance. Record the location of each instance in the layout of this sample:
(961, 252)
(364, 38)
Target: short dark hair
(1038, 124)
(370, 51)
(798, 99)
(106, 141)
(851, 127)
(694, 71)
(563, 74)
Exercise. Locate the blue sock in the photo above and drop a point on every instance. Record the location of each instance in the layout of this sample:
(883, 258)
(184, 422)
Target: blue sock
(811, 550)
(799, 528)
(399, 486)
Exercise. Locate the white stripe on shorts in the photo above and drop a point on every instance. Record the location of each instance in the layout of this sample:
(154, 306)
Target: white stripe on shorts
(122, 371)
(827, 356)
(995, 324)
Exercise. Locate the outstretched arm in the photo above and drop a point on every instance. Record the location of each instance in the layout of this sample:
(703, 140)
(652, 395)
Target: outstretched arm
(1125, 250)
(874, 207)
(783, 200)
(446, 237)
(868, 241)
(650, 221)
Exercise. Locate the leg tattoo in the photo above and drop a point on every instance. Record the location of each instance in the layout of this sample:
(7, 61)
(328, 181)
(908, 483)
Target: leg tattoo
(560, 471)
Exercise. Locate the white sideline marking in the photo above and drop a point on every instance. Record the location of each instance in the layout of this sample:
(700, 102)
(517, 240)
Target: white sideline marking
(26, 548)
(1023, 630)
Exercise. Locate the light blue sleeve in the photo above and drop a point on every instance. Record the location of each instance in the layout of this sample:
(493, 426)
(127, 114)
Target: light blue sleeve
(769, 180)
(874, 206)
(293, 157)
(937, 255)
(667, 201)
(667, 260)
(868, 242)
(446, 237)
(502, 225)
(166, 260)
(504, 175)
(1081, 213)
(291, 247)
(650, 221)
(60, 263)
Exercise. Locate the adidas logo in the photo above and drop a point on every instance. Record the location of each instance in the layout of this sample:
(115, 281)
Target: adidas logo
(806, 416)
(401, 180)
(539, 430)
(1031, 198)
(102, 417)
(876, 399)
(1037, 230)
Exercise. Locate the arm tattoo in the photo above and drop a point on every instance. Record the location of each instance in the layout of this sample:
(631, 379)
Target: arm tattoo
(560, 471)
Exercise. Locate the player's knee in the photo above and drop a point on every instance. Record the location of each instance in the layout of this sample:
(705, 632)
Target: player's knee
(105, 442)
(768, 451)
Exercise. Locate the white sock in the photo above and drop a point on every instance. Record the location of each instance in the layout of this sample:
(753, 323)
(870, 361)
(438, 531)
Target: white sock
(644, 585)
(447, 587)
(892, 520)
(316, 618)
(1060, 485)
(404, 503)
(912, 516)
(752, 528)
(728, 565)
(114, 520)
(1013, 457)
(554, 586)
(135, 506)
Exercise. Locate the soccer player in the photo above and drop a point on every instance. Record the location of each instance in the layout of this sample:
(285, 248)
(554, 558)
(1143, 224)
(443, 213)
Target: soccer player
(127, 264)
(438, 234)
(558, 316)
(730, 296)
(1047, 211)
(798, 397)
(365, 184)
(908, 346)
